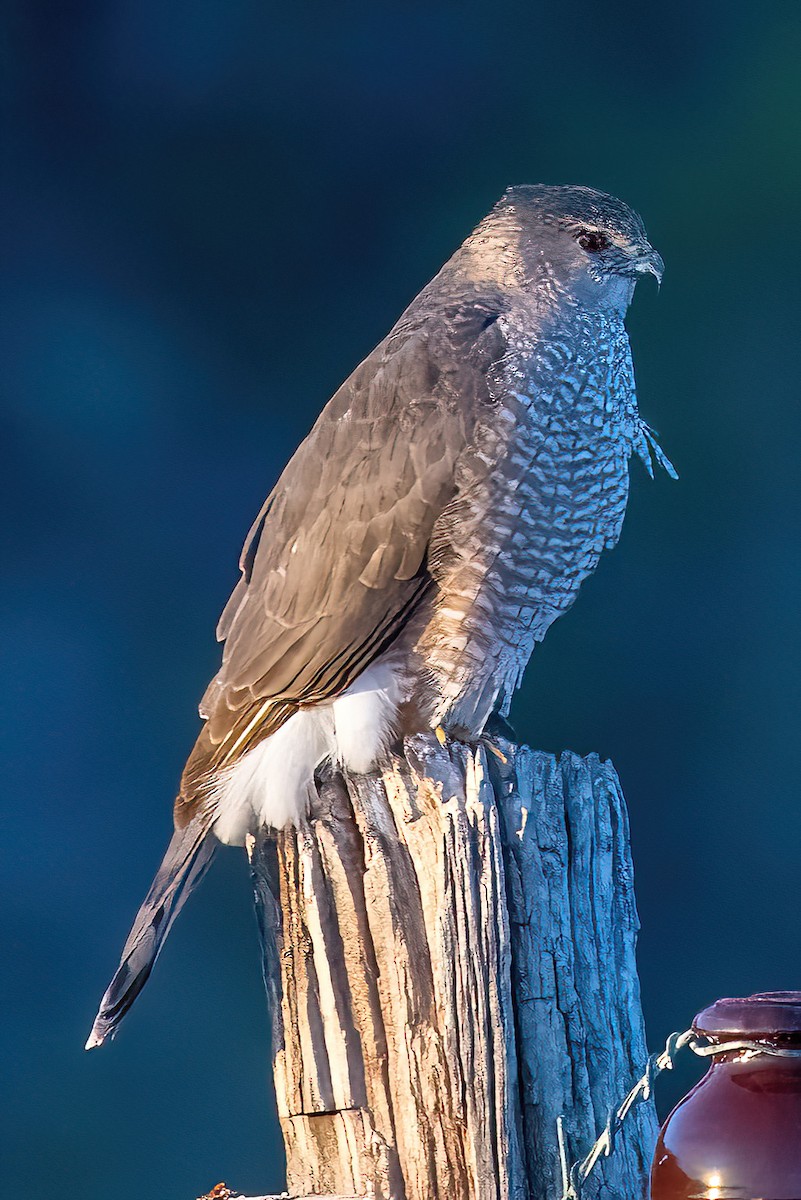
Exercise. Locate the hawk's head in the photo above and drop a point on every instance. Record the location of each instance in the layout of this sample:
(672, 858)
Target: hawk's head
(590, 246)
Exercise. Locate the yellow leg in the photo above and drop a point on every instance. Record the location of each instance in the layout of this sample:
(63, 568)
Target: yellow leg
(441, 735)
(494, 750)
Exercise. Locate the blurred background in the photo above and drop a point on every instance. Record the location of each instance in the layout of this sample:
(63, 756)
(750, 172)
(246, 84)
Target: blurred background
(212, 211)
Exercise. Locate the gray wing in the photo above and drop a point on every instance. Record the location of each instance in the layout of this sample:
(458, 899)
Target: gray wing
(336, 561)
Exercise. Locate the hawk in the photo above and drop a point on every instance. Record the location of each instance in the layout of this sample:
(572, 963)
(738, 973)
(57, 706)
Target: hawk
(441, 514)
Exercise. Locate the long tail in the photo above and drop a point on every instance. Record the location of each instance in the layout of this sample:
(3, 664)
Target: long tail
(188, 856)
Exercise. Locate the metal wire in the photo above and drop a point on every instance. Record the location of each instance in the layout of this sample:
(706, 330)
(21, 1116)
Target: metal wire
(573, 1177)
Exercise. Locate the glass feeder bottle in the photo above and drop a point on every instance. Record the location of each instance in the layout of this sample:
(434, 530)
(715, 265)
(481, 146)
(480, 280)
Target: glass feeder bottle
(737, 1135)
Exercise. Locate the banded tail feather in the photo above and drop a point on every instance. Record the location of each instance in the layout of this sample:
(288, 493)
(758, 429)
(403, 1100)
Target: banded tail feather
(188, 856)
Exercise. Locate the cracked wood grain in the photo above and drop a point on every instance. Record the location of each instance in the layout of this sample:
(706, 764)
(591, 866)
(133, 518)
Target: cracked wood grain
(449, 952)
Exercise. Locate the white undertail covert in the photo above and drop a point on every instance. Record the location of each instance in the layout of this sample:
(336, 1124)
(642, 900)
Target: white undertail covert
(270, 785)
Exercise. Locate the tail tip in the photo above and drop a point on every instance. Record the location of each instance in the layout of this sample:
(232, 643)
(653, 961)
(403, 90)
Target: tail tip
(95, 1039)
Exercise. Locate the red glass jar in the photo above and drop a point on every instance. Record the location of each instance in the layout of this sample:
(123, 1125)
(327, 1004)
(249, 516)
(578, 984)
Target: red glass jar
(737, 1135)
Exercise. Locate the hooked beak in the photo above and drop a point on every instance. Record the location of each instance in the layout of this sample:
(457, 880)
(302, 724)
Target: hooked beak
(650, 262)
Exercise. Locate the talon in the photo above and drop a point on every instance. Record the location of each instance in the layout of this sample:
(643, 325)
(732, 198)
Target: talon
(441, 735)
(494, 750)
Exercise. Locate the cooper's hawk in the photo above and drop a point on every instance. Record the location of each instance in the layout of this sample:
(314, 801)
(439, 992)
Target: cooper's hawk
(441, 514)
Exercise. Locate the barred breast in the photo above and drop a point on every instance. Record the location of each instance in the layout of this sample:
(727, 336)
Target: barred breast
(541, 495)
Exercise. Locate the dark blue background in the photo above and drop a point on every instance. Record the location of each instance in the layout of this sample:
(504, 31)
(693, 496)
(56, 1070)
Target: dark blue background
(212, 211)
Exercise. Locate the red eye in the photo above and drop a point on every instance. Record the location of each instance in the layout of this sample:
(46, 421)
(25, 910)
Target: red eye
(593, 241)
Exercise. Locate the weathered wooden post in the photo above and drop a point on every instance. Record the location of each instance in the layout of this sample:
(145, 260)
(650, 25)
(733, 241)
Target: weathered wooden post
(449, 950)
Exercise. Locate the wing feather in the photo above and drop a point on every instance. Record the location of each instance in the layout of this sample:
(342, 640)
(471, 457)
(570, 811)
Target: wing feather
(336, 561)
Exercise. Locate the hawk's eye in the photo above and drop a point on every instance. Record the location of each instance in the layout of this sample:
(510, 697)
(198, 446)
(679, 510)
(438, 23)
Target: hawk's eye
(593, 241)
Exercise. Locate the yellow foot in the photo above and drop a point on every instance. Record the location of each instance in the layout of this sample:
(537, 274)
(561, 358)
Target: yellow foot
(494, 750)
(441, 735)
